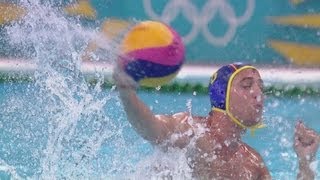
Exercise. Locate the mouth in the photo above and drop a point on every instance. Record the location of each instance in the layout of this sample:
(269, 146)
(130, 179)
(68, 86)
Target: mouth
(258, 107)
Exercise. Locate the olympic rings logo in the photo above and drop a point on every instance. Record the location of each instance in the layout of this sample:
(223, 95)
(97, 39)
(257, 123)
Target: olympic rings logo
(200, 19)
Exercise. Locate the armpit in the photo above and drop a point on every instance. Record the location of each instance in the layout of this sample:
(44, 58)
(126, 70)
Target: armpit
(175, 118)
(180, 130)
(181, 117)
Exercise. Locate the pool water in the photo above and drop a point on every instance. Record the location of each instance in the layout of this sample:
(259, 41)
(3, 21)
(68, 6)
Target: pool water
(60, 135)
(61, 127)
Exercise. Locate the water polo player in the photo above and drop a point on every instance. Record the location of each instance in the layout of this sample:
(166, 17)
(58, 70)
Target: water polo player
(236, 96)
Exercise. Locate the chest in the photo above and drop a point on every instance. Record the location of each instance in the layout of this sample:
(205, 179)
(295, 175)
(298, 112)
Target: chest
(211, 162)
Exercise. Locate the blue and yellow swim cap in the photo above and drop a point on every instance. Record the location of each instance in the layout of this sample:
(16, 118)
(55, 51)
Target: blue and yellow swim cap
(219, 90)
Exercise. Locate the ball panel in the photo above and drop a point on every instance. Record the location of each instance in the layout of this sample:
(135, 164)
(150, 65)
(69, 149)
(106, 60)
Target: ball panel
(140, 69)
(152, 53)
(154, 82)
(170, 55)
(147, 34)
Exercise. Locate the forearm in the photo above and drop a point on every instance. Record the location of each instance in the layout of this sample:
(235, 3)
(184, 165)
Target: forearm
(141, 117)
(305, 172)
(306, 144)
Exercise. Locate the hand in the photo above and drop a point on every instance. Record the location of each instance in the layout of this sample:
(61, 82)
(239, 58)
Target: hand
(306, 142)
(123, 80)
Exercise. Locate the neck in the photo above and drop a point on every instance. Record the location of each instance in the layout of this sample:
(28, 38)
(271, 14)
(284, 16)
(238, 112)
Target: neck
(220, 120)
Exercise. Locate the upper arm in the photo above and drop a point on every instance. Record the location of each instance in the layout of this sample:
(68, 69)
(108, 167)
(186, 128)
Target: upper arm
(264, 173)
(176, 130)
(257, 163)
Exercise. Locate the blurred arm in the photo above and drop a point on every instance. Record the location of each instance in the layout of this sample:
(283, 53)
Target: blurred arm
(154, 128)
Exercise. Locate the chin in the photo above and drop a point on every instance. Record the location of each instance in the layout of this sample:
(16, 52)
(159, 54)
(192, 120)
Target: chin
(256, 117)
(253, 121)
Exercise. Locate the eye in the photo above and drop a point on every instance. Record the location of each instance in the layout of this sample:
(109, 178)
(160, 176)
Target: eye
(260, 84)
(246, 86)
(261, 87)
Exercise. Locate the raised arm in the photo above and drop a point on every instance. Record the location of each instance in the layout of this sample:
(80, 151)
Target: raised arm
(306, 144)
(154, 128)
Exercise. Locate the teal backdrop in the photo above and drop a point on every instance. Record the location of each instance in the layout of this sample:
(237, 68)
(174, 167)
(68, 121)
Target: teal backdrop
(248, 43)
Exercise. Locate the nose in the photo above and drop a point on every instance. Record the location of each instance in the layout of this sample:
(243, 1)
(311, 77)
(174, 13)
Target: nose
(257, 92)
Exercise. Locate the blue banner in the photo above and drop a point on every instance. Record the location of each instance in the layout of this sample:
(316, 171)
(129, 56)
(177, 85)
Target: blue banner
(222, 31)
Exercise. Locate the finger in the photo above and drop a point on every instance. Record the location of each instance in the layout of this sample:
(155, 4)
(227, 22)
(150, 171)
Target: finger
(298, 130)
(302, 130)
(296, 137)
(297, 143)
(310, 133)
(300, 126)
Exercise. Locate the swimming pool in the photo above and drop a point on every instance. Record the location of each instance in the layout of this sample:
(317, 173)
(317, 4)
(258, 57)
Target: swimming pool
(68, 134)
(59, 126)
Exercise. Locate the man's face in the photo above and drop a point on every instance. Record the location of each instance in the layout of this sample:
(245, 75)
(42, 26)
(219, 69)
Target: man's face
(246, 97)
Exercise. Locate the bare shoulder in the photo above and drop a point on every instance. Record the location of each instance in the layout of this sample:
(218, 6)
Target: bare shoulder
(180, 119)
(250, 153)
(257, 161)
(173, 119)
(179, 127)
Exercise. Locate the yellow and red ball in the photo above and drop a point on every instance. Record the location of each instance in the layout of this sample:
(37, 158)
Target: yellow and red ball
(152, 53)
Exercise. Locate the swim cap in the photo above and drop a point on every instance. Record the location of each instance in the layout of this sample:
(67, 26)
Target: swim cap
(218, 85)
(219, 90)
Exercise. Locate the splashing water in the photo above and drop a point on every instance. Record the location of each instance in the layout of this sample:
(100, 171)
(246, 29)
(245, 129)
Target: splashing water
(65, 112)
(61, 126)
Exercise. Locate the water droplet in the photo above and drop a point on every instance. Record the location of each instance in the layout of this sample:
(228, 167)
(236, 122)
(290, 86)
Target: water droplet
(259, 98)
(227, 142)
(118, 103)
(274, 104)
